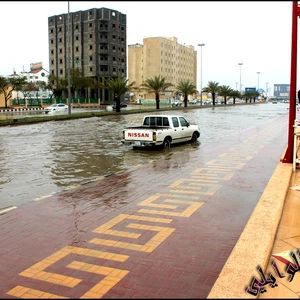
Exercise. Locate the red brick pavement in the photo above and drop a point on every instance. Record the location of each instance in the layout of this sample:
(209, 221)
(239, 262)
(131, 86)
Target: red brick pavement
(162, 230)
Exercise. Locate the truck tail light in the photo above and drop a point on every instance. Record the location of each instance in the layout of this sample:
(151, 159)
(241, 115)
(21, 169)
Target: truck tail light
(154, 136)
(123, 134)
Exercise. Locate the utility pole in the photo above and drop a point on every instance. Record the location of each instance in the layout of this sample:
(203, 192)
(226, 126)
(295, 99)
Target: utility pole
(240, 64)
(201, 45)
(69, 60)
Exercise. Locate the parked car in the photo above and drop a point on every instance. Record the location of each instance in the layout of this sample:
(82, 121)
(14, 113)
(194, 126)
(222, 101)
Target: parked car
(176, 103)
(122, 104)
(60, 107)
(207, 102)
(194, 101)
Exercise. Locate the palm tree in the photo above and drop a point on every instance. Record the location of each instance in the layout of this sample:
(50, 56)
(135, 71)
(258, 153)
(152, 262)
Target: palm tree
(235, 94)
(225, 91)
(251, 94)
(118, 86)
(212, 87)
(248, 95)
(187, 88)
(156, 85)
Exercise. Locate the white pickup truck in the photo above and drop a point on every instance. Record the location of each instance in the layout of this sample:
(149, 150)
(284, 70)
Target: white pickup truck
(160, 130)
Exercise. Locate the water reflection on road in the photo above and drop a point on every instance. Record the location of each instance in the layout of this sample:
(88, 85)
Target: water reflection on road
(41, 159)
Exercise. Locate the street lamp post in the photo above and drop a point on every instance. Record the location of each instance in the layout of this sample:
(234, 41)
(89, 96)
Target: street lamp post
(258, 80)
(69, 60)
(240, 64)
(201, 45)
(267, 89)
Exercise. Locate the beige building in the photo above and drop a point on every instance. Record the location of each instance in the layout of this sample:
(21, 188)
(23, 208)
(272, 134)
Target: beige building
(161, 56)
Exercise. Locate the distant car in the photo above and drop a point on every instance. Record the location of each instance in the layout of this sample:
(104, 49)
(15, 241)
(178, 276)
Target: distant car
(176, 103)
(207, 102)
(60, 107)
(122, 104)
(194, 101)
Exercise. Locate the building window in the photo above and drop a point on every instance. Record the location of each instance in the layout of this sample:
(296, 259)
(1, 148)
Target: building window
(91, 35)
(60, 71)
(90, 13)
(114, 36)
(77, 49)
(91, 58)
(59, 29)
(113, 14)
(91, 47)
(51, 31)
(76, 38)
(114, 25)
(114, 69)
(51, 41)
(76, 27)
(60, 40)
(60, 61)
(91, 24)
(52, 52)
(52, 62)
(60, 50)
(91, 69)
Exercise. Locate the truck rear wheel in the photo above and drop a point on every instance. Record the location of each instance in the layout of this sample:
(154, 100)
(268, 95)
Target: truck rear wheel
(167, 144)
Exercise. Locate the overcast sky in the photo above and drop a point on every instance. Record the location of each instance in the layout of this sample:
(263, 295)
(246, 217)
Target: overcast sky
(255, 33)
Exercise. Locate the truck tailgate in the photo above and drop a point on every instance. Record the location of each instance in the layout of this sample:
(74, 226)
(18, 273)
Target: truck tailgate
(138, 135)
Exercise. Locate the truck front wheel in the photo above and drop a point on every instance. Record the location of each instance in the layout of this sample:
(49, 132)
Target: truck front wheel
(194, 137)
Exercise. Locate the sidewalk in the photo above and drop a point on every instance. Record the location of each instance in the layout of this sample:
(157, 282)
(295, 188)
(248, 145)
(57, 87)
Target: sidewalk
(287, 242)
(260, 246)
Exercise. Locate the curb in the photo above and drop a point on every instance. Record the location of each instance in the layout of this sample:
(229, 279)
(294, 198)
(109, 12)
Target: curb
(255, 244)
(21, 109)
(42, 108)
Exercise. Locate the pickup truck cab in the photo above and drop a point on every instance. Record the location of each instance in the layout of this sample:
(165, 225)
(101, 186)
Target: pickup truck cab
(160, 130)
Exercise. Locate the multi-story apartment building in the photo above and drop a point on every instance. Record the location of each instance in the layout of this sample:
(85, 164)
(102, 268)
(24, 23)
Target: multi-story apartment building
(161, 56)
(97, 46)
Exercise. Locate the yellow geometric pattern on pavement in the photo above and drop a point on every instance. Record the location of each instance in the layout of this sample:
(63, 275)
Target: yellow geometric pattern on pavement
(163, 233)
(28, 293)
(112, 277)
(194, 186)
(186, 213)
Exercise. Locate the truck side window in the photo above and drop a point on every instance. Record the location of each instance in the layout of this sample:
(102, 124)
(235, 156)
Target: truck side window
(146, 121)
(152, 121)
(183, 122)
(159, 121)
(175, 122)
(166, 122)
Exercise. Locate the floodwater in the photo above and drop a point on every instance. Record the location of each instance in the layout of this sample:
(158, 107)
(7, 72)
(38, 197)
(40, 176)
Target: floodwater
(42, 159)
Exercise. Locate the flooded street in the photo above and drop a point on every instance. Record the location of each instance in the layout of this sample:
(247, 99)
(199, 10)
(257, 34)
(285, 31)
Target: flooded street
(41, 159)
